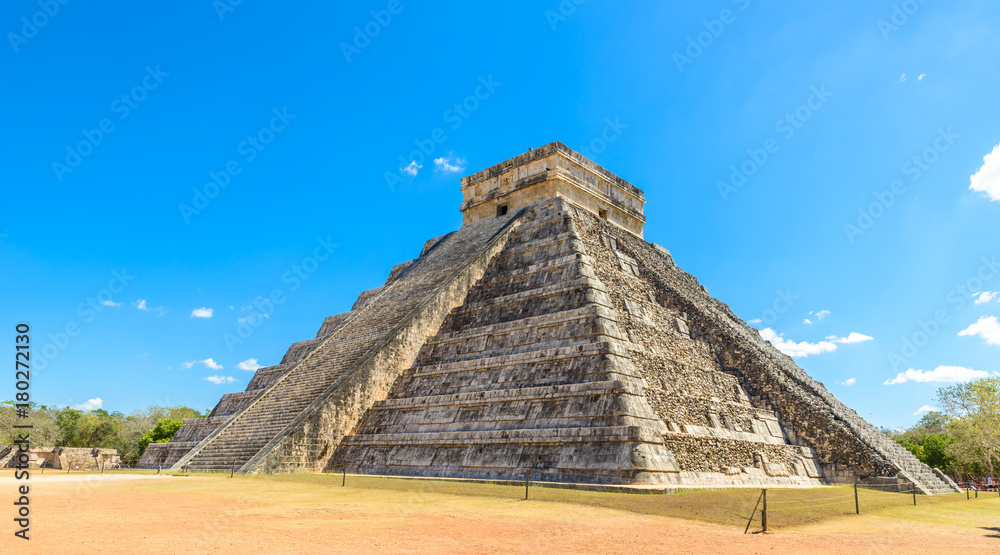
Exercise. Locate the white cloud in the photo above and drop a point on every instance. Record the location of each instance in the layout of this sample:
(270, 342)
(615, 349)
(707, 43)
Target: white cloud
(201, 313)
(110, 303)
(818, 314)
(447, 164)
(141, 305)
(987, 179)
(902, 78)
(412, 169)
(805, 348)
(208, 362)
(853, 337)
(921, 77)
(249, 364)
(849, 382)
(791, 348)
(986, 297)
(217, 380)
(941, 374)
(987, 328)
(755, 321)
(923, 409)
(253, 318)
(91, 404)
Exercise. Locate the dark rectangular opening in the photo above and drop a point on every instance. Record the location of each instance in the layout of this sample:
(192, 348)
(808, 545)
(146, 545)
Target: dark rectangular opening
(603, 214)
(501, 210)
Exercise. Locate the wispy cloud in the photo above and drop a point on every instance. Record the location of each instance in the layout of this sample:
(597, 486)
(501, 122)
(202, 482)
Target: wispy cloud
(921, 77)
(805, 348)
(853, 337)
(755, 321)
(902, 78)
(249, 364)
(986, 297)
(217, 380)
(818, 314)
(253, 318)
(109, 302)
(208, 362)
(411, 169)
(449, 164)
(849, 382)
(941, 374)
(90, 404)
(796, 349)
(201, 313)
(987, 179)
(923, 409)
(141, 305)
(986, 328)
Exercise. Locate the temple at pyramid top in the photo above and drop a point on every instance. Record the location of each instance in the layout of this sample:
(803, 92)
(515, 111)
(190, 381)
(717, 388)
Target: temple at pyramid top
(551, 171)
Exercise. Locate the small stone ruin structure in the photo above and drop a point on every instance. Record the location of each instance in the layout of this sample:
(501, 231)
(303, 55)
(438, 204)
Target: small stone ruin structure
(545, 335)
(62, 458)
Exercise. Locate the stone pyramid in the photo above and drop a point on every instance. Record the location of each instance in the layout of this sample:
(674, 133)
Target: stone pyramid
(544, 335)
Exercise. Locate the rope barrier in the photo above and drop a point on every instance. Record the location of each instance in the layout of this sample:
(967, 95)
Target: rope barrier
(887, 493)
(786, 509)
(851, 496)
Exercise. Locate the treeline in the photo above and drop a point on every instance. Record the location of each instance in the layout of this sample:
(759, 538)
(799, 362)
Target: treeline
(66, 427)
(963, 438)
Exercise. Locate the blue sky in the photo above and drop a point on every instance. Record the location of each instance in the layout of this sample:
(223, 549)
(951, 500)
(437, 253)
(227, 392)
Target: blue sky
(804, 161)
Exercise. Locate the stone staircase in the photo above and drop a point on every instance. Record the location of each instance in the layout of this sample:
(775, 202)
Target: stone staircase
(257, 424)
(927, 480)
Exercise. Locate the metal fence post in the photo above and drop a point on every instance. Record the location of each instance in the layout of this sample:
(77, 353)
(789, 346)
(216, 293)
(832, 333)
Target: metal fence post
(914, 497)
(233, 469)
(344, 481)
(763, 513)
(857, 507)
(527, 480)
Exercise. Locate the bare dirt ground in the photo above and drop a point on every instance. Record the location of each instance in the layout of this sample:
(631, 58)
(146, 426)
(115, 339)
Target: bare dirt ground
(213, 513)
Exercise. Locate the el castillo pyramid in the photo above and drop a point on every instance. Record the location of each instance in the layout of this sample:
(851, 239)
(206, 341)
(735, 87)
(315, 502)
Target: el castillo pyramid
(544, 335)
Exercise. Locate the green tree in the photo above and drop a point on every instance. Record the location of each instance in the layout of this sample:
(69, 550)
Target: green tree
(161, 433)
(68, 427)
(44, 431)
(974, 409)
(928, 440)
(66, 421)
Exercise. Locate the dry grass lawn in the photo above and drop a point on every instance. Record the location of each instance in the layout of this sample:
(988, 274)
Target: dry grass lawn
(299, 513)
